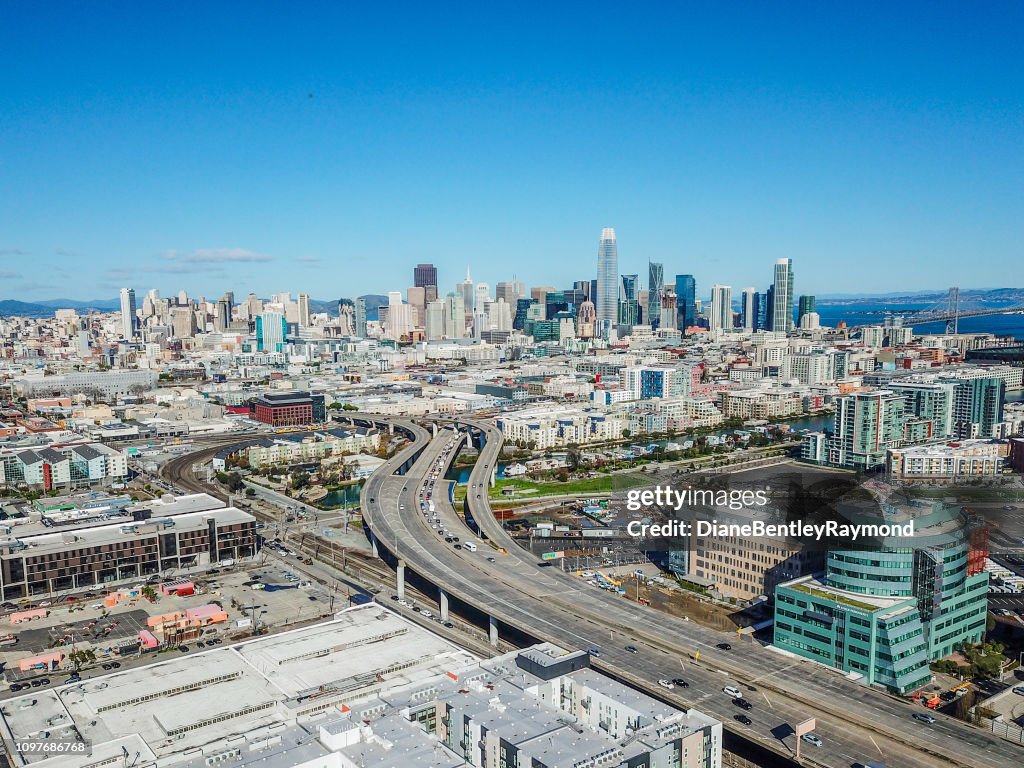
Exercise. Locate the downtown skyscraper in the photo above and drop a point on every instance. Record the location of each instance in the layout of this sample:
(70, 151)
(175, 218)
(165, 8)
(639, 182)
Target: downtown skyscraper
(655, 280)
(129, 318)
(607, 282)
(782, 297)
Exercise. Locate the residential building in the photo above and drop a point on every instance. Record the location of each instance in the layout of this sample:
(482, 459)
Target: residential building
(866, 425)
(720, 318)
(100, 546)
(58, 467)
(782, 297)
(129, 314)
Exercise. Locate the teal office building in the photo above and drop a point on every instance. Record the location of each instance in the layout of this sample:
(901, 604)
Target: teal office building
(883, 613)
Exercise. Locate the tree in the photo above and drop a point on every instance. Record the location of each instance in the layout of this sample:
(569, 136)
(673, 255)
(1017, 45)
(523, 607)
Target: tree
(349, 407)
(335, 406)
(626, 434)
(300, 479)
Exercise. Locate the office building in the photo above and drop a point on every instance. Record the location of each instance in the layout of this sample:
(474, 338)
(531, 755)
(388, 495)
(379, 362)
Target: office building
(305, 316)
(271, 331)
(99, 386)
(629, 305)
(655, 284)
(606, 304)
(782, 297)
(400, 317)
(805, 307)
(129, 316)
(720, 318)
(424, 275)
(749, 301)
(686, 301)
(289, 408)
(885, 611)
(360, 317)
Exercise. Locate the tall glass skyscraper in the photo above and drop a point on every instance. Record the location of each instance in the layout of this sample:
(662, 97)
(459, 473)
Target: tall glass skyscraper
(748, 308)
(129, 318)
(607, 281)
(629, 313)
(782, 296)
(686, 301)
(655, 280)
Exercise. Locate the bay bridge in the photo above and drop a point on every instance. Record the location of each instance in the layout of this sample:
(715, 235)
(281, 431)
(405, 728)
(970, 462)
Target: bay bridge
(951, 309)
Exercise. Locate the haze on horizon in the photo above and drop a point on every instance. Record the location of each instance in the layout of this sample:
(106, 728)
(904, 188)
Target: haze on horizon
(329, 150)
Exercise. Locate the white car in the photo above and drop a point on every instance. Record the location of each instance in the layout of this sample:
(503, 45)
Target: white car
(426, 614)
(732, 692)
(666, 684)
(812, 738)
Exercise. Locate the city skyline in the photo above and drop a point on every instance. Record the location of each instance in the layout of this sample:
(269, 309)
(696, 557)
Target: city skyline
(338, 164)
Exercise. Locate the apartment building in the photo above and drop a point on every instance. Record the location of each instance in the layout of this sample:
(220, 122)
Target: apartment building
(62, 467)
(99, 546)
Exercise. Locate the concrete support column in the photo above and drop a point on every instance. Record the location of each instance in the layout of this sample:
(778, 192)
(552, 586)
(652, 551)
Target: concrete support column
(400, 578)
(391, 428)
(493, 630)
(442, 604)
(433, 426)
(494, 475)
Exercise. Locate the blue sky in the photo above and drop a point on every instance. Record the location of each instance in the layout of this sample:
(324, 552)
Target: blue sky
(329, 148)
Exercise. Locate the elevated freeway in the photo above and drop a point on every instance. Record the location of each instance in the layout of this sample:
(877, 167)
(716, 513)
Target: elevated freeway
(516, 595)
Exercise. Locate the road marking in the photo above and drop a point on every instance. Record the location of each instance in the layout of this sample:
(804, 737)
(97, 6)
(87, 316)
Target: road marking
(875, 743)
(767, 700)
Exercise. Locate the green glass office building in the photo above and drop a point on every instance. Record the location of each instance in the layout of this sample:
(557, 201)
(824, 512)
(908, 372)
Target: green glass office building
(886, 612)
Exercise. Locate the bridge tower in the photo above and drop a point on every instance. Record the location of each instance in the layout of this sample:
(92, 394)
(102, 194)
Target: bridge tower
(953, 310)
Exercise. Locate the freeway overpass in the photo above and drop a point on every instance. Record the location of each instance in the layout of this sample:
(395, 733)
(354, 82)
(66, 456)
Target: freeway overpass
(517, 596)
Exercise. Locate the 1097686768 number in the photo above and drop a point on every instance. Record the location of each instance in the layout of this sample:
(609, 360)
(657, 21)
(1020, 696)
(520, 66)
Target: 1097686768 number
(53, 746)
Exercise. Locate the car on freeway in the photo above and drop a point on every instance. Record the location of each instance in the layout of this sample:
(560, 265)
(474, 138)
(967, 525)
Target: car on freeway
(666, 684)
(184, 648)
(490, 559)
(395, 598)
(680, 682)
(732, 692)
(742, 703)
(594, 652)
(812, 738)
(107, 666)
(458, 546)
(724, 646)
(1019, 690)
(74, 677)
(924, 717)
(743, 719)
(449, 625)
(632, 649)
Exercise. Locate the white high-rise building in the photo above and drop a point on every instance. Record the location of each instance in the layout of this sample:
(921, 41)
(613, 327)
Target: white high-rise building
(129, 319)
(305, 319)
(454, 317)
(720, 317)
(607, 282)
(782, 296)
(433, 320)
(400, 316)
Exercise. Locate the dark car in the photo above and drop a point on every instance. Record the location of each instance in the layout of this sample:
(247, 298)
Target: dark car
(115, 664)
(458, 546)
(395, 598)
(45, 681)
(743, 719)
(449, 625)
(632, 649)
(742, 703)
(74, 677)
(15, 687)
(200, 644)
(724, 646)
(107, 666)
(36, 683)
(680, 683)
(184, 648)
(924, 717)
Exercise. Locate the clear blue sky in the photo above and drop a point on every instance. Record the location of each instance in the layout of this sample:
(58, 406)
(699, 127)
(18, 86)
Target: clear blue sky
(327, 148)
